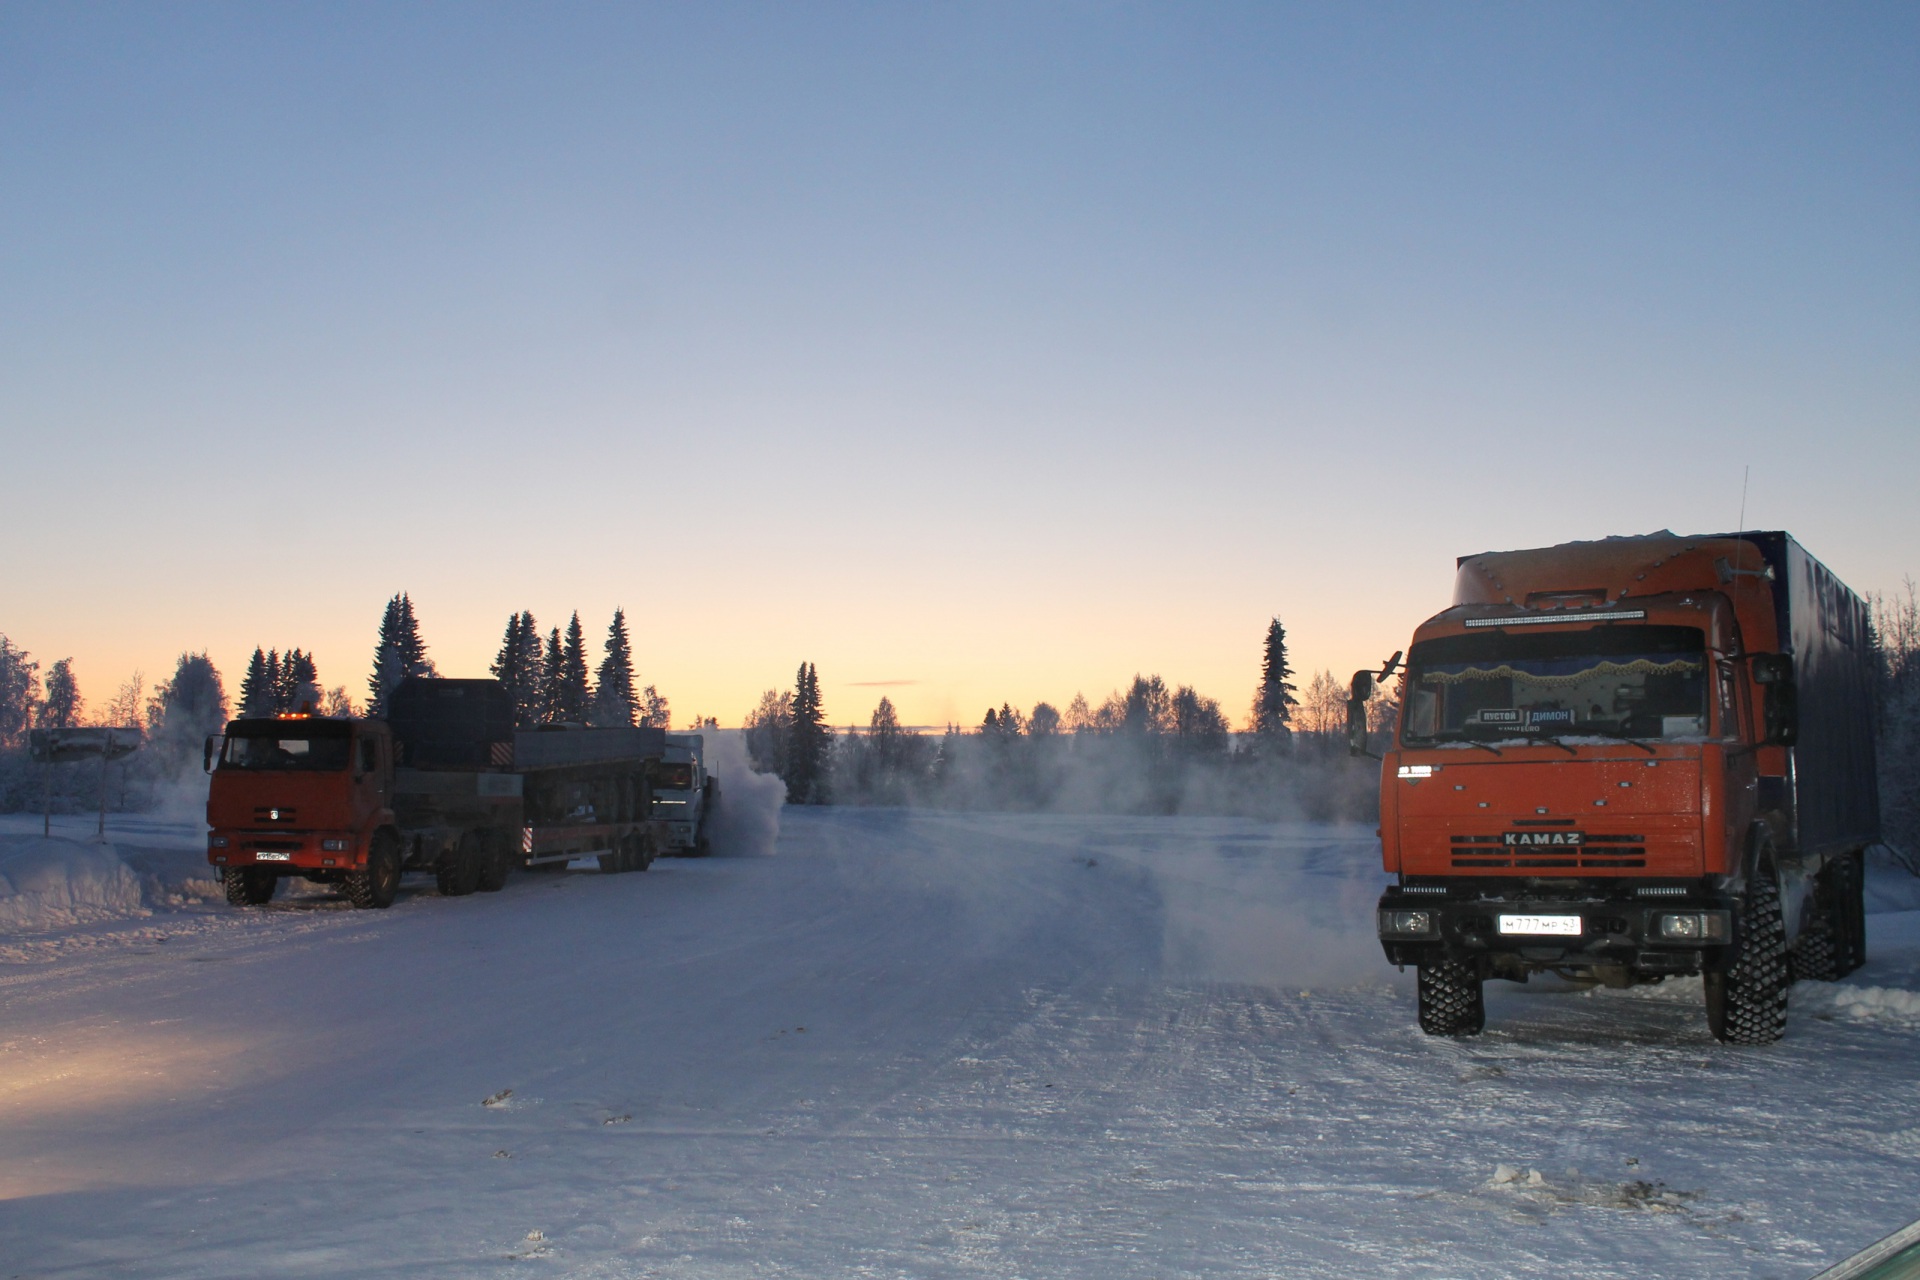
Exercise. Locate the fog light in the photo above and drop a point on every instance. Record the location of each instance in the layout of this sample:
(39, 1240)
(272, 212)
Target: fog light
(1694, 926)
(334, 846)
(1406, 924)
(217, 842)
(1687, 926)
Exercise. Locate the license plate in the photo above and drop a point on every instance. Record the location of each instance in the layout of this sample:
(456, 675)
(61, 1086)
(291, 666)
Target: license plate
(1560, 926)
(267, 855)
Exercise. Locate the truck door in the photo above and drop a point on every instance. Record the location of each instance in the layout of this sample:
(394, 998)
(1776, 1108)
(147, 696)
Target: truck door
(369, 779)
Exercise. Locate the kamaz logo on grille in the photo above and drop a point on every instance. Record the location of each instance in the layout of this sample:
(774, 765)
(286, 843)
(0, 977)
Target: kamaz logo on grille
(1543, 839)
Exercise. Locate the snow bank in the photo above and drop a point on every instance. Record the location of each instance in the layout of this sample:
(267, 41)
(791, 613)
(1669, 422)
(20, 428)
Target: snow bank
(1866, 1004)
(50, 883)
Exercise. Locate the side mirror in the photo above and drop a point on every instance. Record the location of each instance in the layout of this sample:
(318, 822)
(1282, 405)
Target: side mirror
(1780, 712)
(1358, 693)
(206, 756)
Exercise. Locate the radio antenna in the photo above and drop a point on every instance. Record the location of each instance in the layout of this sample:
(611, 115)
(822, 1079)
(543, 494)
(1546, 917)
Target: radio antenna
(1745, 471)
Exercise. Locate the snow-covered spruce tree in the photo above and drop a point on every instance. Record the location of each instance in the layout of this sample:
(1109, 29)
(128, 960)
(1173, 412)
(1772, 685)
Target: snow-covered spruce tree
(1273, 701)
(808, 741)
(256, 687)
(519, 668)
(553, 676)
(298, 683)
(398, 653)
(186, 710)
(61, 708)
(614, 701)
(18, 678)
(575, 690)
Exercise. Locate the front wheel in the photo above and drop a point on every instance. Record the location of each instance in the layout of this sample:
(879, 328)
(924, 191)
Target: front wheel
(1452, 1002)
(248, 886)
(376, 886)
(1747, 1000)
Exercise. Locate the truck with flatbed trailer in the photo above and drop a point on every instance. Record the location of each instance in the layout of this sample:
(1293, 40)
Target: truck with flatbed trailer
(444, 783)
(1627, 760)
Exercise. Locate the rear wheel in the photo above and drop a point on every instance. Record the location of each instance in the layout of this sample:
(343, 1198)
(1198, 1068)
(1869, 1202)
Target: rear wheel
(1849, 888)
(1747, 1000)
(497, 864)
(1452, 1002)
(458, 870)
(376, 885)
(248, 886)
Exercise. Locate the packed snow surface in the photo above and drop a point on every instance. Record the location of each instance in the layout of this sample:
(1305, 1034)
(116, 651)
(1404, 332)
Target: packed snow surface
(906, 1044)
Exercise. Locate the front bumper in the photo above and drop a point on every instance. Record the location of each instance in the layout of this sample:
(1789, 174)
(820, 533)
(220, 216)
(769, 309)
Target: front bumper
(1672, 929)
(313, 850)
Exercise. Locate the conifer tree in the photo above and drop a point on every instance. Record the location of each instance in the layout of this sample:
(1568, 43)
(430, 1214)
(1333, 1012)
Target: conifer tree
(1274, 702)
(808, 741)
(398, 653)
(256, 687)
(298, 683)
(615, 703)
(553, 667)
(521, 669)
(61, 707)
(17, 679)
(573, 690)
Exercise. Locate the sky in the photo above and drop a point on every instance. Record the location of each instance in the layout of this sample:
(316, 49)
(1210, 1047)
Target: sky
(976, 353)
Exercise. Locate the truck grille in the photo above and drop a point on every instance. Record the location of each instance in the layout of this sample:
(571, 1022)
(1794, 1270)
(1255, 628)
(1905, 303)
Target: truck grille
(1593, 852)
(281, 846)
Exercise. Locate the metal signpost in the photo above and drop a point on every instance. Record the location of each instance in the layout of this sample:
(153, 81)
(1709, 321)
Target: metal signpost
(63, 746)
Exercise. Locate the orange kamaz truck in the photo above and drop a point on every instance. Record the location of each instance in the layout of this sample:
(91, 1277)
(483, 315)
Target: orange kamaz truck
(443, 784)
(1628, 760)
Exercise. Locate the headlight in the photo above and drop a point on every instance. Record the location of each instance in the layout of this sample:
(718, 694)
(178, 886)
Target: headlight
(217, 842)
(334, 846)
(1406, 924)
(1693, 926)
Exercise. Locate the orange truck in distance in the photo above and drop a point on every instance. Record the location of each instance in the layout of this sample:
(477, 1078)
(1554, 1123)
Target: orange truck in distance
(1628, 760)
(444, 784)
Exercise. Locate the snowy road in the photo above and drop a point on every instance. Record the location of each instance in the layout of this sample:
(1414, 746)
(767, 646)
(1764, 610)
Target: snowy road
(913, 1045)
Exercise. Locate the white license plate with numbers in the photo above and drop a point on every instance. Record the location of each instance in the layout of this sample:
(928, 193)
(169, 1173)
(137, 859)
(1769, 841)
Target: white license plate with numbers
(1551, 926)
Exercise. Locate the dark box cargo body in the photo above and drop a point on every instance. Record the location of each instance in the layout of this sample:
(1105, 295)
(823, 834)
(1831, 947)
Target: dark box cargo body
(451, 724)
(1832, 789)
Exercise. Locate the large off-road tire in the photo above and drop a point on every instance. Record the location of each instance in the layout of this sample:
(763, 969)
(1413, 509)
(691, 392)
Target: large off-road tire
(248, 886)
(1833, 943)
(1747, 1000)
(1451, 1000)
(640, 852)
(1848, 885)
(618, 858)
(378, 883)
(457, 872)
(497, 865)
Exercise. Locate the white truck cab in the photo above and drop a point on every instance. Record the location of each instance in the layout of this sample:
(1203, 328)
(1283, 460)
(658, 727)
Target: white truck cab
(683, 793)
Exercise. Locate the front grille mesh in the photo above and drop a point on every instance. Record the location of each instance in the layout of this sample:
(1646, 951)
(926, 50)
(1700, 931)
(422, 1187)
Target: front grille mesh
(1596, 852)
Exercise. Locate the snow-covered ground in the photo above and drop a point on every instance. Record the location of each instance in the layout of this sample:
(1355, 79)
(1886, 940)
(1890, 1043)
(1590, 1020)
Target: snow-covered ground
(908, 1044)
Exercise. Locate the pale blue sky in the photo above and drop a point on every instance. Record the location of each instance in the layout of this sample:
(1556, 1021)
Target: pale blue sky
(1007, 349)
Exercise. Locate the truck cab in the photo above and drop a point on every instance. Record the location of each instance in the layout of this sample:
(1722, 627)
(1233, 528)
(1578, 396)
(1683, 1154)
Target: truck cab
(296, 795)
(682, 793)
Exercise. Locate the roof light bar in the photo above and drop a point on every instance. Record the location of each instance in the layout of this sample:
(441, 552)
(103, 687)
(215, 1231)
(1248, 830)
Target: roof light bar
(1558, 616)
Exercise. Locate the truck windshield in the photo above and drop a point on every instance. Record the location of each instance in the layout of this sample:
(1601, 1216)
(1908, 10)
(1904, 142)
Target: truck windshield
(673, 777)
(1620, 682)
(306, 748)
